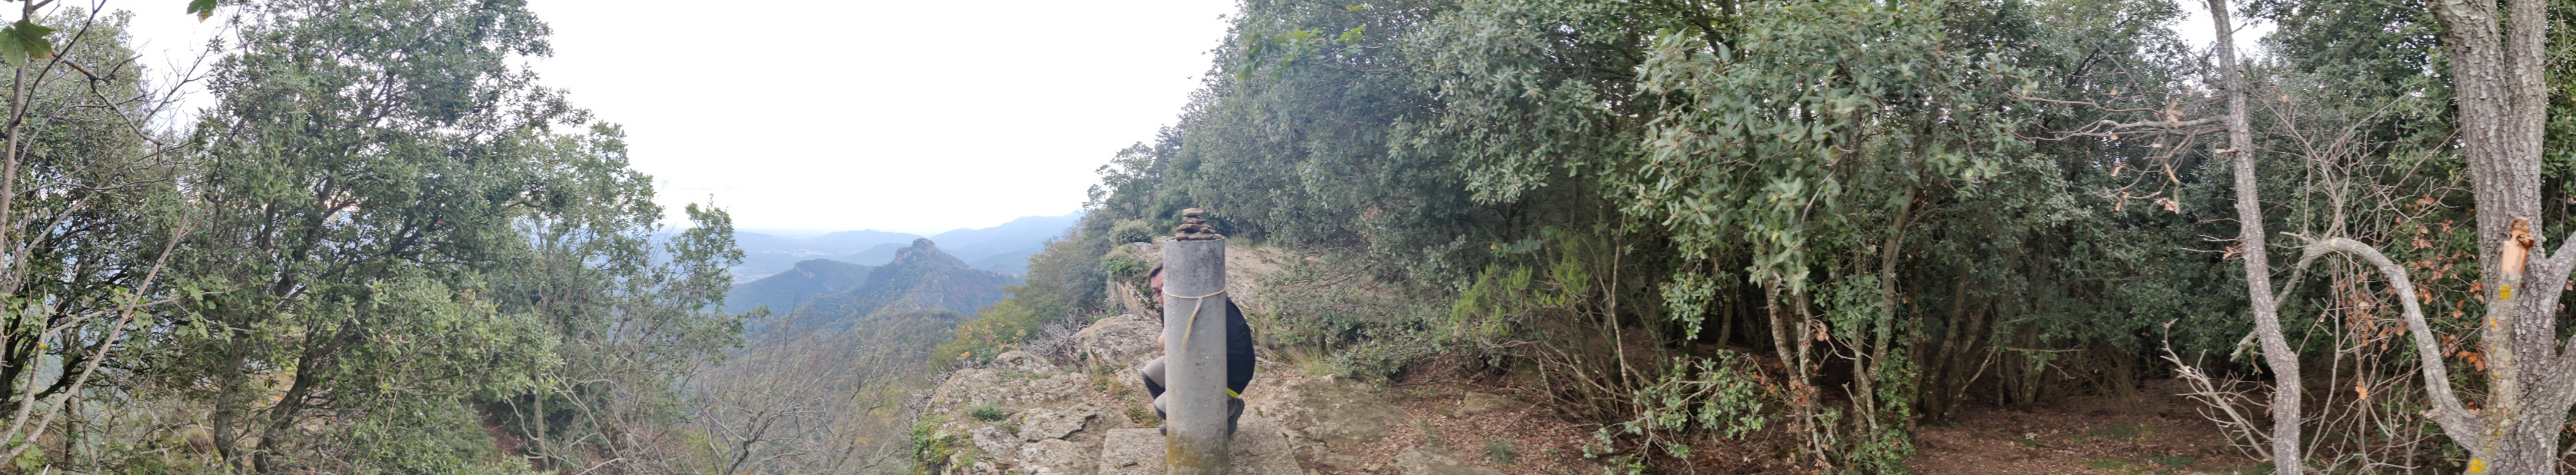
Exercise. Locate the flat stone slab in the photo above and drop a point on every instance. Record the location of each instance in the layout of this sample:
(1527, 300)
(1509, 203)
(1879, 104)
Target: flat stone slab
(1258, 449)
(1044, 424)
(1338, 411)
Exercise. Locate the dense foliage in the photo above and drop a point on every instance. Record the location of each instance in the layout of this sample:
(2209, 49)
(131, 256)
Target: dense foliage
(1892, 208)
(385, 248)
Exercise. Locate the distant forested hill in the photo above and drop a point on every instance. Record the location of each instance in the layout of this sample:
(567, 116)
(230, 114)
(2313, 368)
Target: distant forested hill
(920, 276)
(1012, 263)
(765, 254)
(784, 291)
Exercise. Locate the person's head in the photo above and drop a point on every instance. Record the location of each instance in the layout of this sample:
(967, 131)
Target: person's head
(1154, 278)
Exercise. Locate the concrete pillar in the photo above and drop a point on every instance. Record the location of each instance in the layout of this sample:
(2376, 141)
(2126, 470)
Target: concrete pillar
(1194, 349)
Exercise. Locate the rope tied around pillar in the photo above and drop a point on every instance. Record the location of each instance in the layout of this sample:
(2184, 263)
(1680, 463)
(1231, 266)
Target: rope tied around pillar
(1200, 401)
(1196, 304)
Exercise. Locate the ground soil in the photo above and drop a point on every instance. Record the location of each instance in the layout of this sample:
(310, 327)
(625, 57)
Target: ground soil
(2154, 432)
(1521, 437)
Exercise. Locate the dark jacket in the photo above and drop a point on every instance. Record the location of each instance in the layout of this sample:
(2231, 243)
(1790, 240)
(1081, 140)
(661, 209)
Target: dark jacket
(1238, 354)
(1238, 349)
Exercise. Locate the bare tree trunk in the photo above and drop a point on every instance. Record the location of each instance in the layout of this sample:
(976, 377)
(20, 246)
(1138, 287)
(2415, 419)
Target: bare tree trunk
(1866, 372)
(1793, 341)
(2250, 243)
(2498, 73)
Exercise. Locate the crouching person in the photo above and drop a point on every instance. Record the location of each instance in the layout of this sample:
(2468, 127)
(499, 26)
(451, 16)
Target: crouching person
(1238, 360)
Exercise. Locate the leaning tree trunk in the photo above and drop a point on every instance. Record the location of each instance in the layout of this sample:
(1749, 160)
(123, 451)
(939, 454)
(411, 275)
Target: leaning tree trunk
(2251, 247)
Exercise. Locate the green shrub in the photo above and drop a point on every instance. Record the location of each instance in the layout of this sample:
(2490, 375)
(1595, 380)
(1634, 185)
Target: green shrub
(1721, 396)
(1125, 268)
(931, 449)
(1134, 230)
(1064, 285)
(995, 329)
(988, 413)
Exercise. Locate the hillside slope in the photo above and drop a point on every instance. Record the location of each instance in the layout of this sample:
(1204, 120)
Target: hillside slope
(919, 277)
(784, 291)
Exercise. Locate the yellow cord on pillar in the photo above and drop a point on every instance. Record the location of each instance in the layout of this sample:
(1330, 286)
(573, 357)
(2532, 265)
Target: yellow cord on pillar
(1196, 304)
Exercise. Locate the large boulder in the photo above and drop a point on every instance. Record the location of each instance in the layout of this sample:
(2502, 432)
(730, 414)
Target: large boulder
(1123, 339)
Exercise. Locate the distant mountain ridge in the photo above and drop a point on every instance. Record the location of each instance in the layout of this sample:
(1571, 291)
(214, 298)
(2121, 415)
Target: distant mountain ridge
(1022, 237)
(919, 277)
(784, 291)
(1002, 248)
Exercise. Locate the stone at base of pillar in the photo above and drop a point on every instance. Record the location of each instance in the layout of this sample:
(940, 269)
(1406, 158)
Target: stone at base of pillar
(1258, 449)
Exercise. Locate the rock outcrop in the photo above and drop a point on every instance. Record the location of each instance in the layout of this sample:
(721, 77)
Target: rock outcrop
(1331, 410)
(1021, 413)
(1119, 340)
(1088, 415)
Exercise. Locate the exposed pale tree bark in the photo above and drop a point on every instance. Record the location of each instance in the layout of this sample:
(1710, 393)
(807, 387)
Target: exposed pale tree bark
(2257, 256)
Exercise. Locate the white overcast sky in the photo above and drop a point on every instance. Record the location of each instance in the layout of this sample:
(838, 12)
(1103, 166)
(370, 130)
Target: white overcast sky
(915, 116)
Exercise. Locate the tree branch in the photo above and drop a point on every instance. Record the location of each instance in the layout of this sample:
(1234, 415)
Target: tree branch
(2454, 419)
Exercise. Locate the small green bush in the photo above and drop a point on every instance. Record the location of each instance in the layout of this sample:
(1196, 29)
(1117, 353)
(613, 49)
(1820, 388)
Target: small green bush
(931, 449)
(1125, 268)
(1134, 230)
(988, 413)
(1138, 413)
